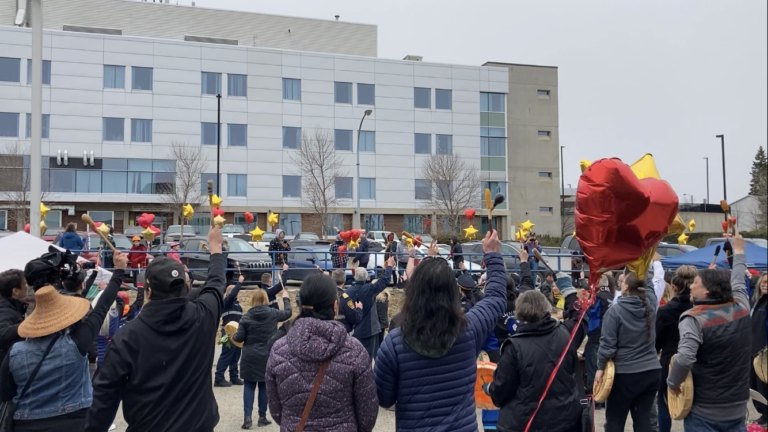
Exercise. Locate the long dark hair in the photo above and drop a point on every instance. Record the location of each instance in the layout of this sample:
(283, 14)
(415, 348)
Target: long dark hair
(318, 295)
(636, 287)
(432, 316)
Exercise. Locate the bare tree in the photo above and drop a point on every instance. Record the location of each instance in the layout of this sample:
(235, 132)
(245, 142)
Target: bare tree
(454, 186)
(190, 165)
(14, 181)
(320, 169)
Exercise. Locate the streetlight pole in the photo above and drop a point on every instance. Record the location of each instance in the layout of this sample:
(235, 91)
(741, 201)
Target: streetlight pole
(35, 153)
(725, 189)
(562, 189)
(707, 159)
(359, 218)
(218, 143)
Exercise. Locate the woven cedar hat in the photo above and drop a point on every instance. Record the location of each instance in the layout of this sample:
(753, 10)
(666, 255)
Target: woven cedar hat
(53, 312)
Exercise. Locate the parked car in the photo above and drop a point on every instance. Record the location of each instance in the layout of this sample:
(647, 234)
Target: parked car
(50, 233)
(572, 245)
(668, 250)
(133, 231)
(755, 241)
(173, 233)
(158, 250)
(229, 230)
(306, 236)
(263, 245)
(93, 243)
(308, 242)
(303, 261)
(242, 258)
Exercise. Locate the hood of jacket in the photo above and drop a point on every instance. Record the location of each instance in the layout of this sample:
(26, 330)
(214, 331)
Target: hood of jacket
(259, 312)
(632, 306)
(169, 317)
(541, 327)
(69, 236)
(311, 339)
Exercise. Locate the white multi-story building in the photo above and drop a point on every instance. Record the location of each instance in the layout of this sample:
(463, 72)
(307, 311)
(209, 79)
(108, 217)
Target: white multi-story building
(114, 103)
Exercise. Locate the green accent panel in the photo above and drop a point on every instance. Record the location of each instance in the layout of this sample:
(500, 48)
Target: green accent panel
(492, 163)
(492, 119)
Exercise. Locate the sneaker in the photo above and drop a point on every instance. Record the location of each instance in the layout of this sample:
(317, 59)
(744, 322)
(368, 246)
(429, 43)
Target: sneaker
(247, 423)
(237, 381)
(263, 422)
(222, 384)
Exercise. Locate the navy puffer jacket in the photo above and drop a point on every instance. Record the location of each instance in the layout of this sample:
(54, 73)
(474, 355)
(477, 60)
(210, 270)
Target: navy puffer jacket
(437, 394)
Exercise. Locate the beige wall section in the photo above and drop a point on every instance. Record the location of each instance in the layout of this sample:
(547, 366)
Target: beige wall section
(169, 21)
(527, 153)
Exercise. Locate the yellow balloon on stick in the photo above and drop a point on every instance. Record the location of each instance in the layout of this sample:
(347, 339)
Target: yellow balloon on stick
(683, 239)
(518, 236)
(528, 226)
(189, 212)
(219, 221)
(470, 232)
(216, 201)
(148, 234)
(273, 219)
(43, 210)
(691, 225)
(43, 227)
(355, 243)
(584, 164)
(256, 234)
(103, 228)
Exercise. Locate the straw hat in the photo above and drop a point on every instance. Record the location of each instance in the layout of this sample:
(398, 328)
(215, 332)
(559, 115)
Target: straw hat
(53, 312)
(601, 391)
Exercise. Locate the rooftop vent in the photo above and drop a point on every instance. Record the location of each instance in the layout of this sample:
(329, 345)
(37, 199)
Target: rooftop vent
(211, 40)
(412, 58)
(81, 29)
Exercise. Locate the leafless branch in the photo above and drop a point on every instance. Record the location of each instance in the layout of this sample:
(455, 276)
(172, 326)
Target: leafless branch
(15, 179)
(454, 187)
(190, 165)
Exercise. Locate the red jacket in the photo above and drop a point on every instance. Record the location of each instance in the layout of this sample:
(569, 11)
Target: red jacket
(136, 258)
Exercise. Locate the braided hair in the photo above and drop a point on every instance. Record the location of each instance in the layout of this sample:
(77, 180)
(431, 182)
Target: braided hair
(636, 287)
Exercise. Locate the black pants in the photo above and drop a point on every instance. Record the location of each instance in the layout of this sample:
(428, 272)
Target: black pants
(762, 388)
(371, 345)
(632, 393)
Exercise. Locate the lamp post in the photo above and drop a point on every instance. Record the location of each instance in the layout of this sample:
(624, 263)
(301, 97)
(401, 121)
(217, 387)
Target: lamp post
(218, 142)
(562, 190)
(35, 151)
(359, 218)
(725, 189)
(707, 159)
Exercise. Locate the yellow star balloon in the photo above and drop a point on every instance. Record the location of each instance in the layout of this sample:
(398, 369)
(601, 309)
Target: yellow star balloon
(43, 210)
(43, 227)
(273, 219)
(355, 243)
(470, 232)
(528, 226)
(518, 236)
(683, 239)
(256, 234)
(148, 234)
(691, 225)
(189, 212)
(219, 221)
(584, 164)
(216, 201)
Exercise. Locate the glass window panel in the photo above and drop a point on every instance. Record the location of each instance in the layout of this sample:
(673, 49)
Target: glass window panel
(291, 137)
(114, 182)
(290, 223)
(113, 129)
(342, 92)
(4, 219)
(545, 209)
(88, 181)
(542, 92)
(46, 125)
(291, 89)
(211, 83)
(343, 139)
(544, 133)
(291, 186)
(114, 77)
(140, 164)
(163, 183)
(344, 187)
(367, 141)
(443, 99)
(164, 166)
(209, 133)
(545, 174)
(237, 135)
(412, 223)
(62, 180)
(204, 183)
(114, 164)
(10, 69)
(495, 188)
(492, 102)
(102, 216)
(9, 124)
(443, 144)
(422, 143)
(367, 188)
(492, 131)
(141, 130)
(422, 97)
(492, 146)
(423, 189)
(237, 185)
(140, 182)
(333, 220)
(142, 78)
(366, 94)
(46, 72)
(373, 222)
(237, 85)
(443, 189)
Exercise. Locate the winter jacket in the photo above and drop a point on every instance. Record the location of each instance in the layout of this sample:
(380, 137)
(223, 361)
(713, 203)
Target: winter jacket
(361, 254)
(12, 313)
(759, 323)
(470, 298)
(278, 245)
(72, 241)
(596, 315)
(435, 392)
(348, 315)
(366, 292)
(506, 324)
(346, 400)
(175, 256)
(382, 309)
(390, 250)
(457, 253)
(232, 310)
(402, 253)
(527, 359)
(667, 334)
(256, 327)
(137, 258)
(274, 289)
(161, 361)
(338, 258)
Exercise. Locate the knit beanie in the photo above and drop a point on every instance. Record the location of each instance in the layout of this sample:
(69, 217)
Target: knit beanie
(565, 284)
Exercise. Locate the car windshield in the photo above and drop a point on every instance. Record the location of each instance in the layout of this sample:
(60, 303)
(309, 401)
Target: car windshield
(509, 250)
(237, 245)
(174, 229)
(266, 237)
(308, 236)
(53, 231)
(132, 231)
(232, 229)
(121, 242)
(426, 238)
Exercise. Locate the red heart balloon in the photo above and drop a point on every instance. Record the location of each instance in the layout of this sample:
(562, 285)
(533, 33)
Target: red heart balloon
(725, 226)
(149, 217)
(218, 212)
(26, 228)
(469, 214)
(155, 229)
(417, 241)
(342, 248)
(346, 236)
(733, 221)
(428, 223)
(248, 217)
(355, 234)
(143, 222)
(618, 216)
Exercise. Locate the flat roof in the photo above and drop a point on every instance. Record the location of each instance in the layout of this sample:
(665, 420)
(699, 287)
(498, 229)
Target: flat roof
(518, 64)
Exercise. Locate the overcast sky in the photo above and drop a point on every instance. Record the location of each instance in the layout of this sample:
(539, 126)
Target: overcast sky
(661, 77)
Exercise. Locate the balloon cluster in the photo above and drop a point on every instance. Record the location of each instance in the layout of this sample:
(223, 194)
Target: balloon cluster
(524, 229)
(351, 237)
(470, 232)
(683, 238)
(150, 231)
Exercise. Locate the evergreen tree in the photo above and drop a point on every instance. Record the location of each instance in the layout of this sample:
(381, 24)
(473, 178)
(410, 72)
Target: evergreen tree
(757, 186)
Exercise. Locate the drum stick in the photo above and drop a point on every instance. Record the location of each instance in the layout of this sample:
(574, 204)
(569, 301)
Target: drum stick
(87, 219)
(717, 252)
(537, 254)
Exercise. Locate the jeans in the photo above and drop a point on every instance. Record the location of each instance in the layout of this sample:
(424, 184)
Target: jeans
(665, 421)
(249, 390)
(228, 359)
(401, 268)
(697, 423)
(632, 393)
(371, 345)
(590, 362)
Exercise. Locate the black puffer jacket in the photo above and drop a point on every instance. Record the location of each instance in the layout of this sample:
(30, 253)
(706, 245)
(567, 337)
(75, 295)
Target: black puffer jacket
(12, 313)
(759, 320)
(257, 327)
(667, 334)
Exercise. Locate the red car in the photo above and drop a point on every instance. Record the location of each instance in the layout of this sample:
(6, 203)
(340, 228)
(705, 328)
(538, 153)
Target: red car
(51, 233)
(93, 241)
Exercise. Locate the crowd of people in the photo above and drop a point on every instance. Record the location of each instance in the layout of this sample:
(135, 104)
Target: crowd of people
(331, 365)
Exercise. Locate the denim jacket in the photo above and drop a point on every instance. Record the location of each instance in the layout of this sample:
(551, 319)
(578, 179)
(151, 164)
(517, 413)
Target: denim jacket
(61, 386)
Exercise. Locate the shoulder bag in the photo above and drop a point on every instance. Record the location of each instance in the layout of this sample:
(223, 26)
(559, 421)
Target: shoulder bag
(312, 395)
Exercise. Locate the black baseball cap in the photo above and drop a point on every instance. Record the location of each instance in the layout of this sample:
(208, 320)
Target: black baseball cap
(165, 275)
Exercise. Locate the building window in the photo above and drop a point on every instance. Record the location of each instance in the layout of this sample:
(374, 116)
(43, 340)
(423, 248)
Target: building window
(113, 129)
(367, 141)
(423, 189)
(117, 176)
(291, 137)
(211, 83)
(367, 188)
(444, 144)
(413, 223)
(53, 218)
(106, 217)
(495, 188)
(204, 183)
(344, 187)
(290, 223)
(46, 125)
(443, 99)
(62, 180)
(443, 189)
(9, 124)
(343, 139)
(492, 102)
(366, 94)
(4, 219)
(46, 72)
(209, 133)
(142, 78)
(237, 85)
(237, 185)
(542, 92)
(342, 92)
(291, 89)
(291, 186)
(10, 69)
(373, 222)
(545, 209)
(333, 220)
(141, 130)
(422, 143)
(237, 135)
(492, 131)
(422, 97)
(493, 146)
(544, 134)
(114, 77)
(545, 174)
(88, 181)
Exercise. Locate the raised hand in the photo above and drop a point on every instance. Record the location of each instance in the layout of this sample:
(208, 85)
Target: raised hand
(215, 240)
(523, 255)
(120, 260)
(433, 250)
(241, 278)
(391, 262)
(738, 242)
(491, 242)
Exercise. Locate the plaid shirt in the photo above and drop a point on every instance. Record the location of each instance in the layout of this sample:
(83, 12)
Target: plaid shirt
(337, 258)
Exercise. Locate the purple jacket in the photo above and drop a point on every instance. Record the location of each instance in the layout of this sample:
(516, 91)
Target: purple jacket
(346, 401)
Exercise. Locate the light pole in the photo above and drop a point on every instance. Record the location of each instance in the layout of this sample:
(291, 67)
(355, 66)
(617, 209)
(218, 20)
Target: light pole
(725, 189)
(35, 153)
(707, 159)
(359, 218)
(562, 190)
(218, 142)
